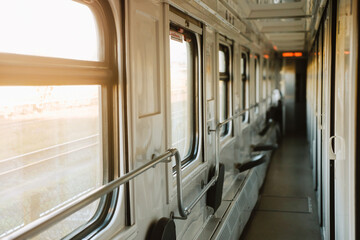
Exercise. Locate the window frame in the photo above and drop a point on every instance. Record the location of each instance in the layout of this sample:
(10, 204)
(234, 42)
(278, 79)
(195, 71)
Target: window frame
(245, 84)
(30, 70)
(257, 82)
(227, 77)
(192, 28)
(269, 92)
(265, 77)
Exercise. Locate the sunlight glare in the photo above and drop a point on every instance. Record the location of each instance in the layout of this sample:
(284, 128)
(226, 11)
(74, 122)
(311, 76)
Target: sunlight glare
(51, 28)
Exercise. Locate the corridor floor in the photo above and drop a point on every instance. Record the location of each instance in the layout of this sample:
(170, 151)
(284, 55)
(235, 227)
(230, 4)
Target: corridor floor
(286, 209)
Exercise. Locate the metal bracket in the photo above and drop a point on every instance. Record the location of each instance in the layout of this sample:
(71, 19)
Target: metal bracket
(210, 130)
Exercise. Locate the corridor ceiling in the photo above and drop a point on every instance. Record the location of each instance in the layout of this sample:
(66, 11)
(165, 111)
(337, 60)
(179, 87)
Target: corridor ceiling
(287, 24)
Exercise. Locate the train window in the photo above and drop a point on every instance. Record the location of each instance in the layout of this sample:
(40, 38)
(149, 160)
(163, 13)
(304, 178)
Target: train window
(184, 104)
(57, 36)
(264, 82)
(50, 151)
(224, 88)
(245, 84)
(56, 125)
(222, 62)
(257, 82)
(270, 76)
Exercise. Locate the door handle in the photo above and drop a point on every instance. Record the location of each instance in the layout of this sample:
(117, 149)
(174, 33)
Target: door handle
(320, 118)
(340, 154)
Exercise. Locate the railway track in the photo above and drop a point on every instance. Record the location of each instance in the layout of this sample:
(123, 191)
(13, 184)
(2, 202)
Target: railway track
(33, 159)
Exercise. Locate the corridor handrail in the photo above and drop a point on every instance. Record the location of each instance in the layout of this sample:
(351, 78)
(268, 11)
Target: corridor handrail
(185, 212)
(220, 124)
(41, 224)
(217, 149)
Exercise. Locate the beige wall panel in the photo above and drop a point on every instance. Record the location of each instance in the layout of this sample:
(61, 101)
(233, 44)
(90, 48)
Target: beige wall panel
(146, 70)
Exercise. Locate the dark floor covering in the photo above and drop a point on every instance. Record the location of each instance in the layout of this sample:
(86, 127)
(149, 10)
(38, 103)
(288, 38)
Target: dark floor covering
(286, 209)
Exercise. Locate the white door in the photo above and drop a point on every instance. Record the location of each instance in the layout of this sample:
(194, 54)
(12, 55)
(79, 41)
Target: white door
(345, 106)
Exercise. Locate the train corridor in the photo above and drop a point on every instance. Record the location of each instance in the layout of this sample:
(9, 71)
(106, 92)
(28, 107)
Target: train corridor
(286, 209)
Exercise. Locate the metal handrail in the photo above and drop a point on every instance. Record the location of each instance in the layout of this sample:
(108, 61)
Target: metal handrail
(212, 181)
(39, 225)
(236, 115)
(217, 152)
(184, 212)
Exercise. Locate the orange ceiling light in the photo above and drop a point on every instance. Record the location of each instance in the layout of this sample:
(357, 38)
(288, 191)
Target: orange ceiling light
(292, 54)
(266, 56)
(287, 54)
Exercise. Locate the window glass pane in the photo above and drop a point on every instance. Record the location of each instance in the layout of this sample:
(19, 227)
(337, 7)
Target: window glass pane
(269, 86)
(264, 78)
(69, 224)
(264, 70)
(224, 86)
(222, 62)
(244, 85)
(182, 97)
(257, 80)
(271, 78)
(51, 28)
(247, 94)
(50, 153)
(223, 105)
(242, 66)
(243, 80)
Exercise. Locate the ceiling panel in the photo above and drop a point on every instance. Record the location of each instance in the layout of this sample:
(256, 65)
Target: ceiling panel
(285, 23)
(282, 10)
